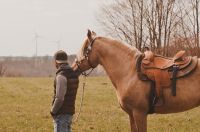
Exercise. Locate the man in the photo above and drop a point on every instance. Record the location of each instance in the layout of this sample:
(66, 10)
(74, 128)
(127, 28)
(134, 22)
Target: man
(65, 89)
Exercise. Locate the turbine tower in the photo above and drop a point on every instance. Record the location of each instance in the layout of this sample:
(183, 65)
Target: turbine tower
(58, 43)
(36, 37)
(36, 43)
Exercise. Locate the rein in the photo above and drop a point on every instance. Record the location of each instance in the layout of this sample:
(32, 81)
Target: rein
(81, 103)
(86, 56)
(82, 96)
(84, 72)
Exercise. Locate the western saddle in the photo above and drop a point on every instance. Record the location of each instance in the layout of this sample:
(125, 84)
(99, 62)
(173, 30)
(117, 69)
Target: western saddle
(164, 71)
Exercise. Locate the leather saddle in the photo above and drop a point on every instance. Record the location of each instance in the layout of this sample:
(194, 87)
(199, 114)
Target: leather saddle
(164, 71)
(152, 62)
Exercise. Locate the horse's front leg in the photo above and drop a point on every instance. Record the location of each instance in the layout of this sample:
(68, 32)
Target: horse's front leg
(138, 121)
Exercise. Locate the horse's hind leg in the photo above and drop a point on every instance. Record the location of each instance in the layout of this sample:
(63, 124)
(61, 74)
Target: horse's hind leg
(138, 122)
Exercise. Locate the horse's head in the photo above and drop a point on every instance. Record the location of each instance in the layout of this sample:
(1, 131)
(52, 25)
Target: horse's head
(87, 57)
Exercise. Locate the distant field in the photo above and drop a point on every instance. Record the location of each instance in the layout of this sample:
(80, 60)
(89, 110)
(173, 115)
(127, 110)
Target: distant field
(25, 105)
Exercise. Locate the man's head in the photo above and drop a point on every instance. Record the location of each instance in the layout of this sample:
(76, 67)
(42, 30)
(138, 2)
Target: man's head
(60, 58)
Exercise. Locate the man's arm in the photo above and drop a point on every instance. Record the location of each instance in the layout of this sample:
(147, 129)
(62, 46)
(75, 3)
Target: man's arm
(61, 89)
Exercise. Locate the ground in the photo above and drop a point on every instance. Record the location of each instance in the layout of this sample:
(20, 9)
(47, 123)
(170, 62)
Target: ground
(25, 104)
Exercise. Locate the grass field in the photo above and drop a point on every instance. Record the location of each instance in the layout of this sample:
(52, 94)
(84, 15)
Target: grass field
(25, 105)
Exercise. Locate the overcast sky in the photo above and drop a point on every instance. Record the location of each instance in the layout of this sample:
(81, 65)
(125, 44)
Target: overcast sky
(66, 21)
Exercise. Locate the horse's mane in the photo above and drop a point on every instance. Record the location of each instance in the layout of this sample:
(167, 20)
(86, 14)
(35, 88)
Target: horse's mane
(80, 54)
(128, 49)
(123, 47)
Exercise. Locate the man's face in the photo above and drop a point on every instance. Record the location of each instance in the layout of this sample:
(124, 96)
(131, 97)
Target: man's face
(56, 64)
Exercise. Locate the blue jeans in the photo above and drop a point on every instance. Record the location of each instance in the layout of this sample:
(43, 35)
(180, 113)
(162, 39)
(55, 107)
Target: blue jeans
(62, 123)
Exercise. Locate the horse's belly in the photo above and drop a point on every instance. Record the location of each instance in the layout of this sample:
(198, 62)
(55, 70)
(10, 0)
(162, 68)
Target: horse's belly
(188, 95)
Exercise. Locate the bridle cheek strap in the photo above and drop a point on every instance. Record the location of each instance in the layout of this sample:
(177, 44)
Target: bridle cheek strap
(89, 48)
(86, 56)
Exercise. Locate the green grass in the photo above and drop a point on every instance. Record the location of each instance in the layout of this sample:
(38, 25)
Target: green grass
(25, 105)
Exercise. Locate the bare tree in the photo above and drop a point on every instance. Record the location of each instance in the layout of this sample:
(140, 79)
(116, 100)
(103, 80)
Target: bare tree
(156, 23)
(161, 19)
(124, 20)
(2, 69)
(195, 5)
(139, 22)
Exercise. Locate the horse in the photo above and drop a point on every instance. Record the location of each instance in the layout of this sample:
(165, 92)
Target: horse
(119, 62)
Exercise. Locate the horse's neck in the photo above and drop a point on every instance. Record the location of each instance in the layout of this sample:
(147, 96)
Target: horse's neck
(118, 61)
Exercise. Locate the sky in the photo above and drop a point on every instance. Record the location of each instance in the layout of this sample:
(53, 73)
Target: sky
(59, 24)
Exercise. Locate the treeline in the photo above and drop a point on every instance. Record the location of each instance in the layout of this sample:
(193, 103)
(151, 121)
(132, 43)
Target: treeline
(34, 67)
(165, 26)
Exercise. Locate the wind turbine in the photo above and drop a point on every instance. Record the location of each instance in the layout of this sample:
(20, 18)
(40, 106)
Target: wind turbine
(58, 43)
(36, 37)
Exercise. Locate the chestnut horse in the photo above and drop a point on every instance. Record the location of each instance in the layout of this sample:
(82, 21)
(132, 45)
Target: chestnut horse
(119, 61)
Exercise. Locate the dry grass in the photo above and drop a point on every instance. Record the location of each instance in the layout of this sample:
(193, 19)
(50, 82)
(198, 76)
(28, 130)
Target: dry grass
(25, 105)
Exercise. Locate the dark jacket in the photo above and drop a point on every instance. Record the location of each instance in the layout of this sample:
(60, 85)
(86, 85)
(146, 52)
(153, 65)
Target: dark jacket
(68, 106)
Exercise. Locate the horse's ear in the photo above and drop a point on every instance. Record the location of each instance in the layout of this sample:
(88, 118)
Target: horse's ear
(89, 35)
(93, 33)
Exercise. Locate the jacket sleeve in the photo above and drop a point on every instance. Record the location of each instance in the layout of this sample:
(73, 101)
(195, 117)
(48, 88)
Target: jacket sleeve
(61, 89)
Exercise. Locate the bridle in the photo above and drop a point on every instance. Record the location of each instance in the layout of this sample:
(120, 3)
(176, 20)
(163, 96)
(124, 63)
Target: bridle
(86, 56)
